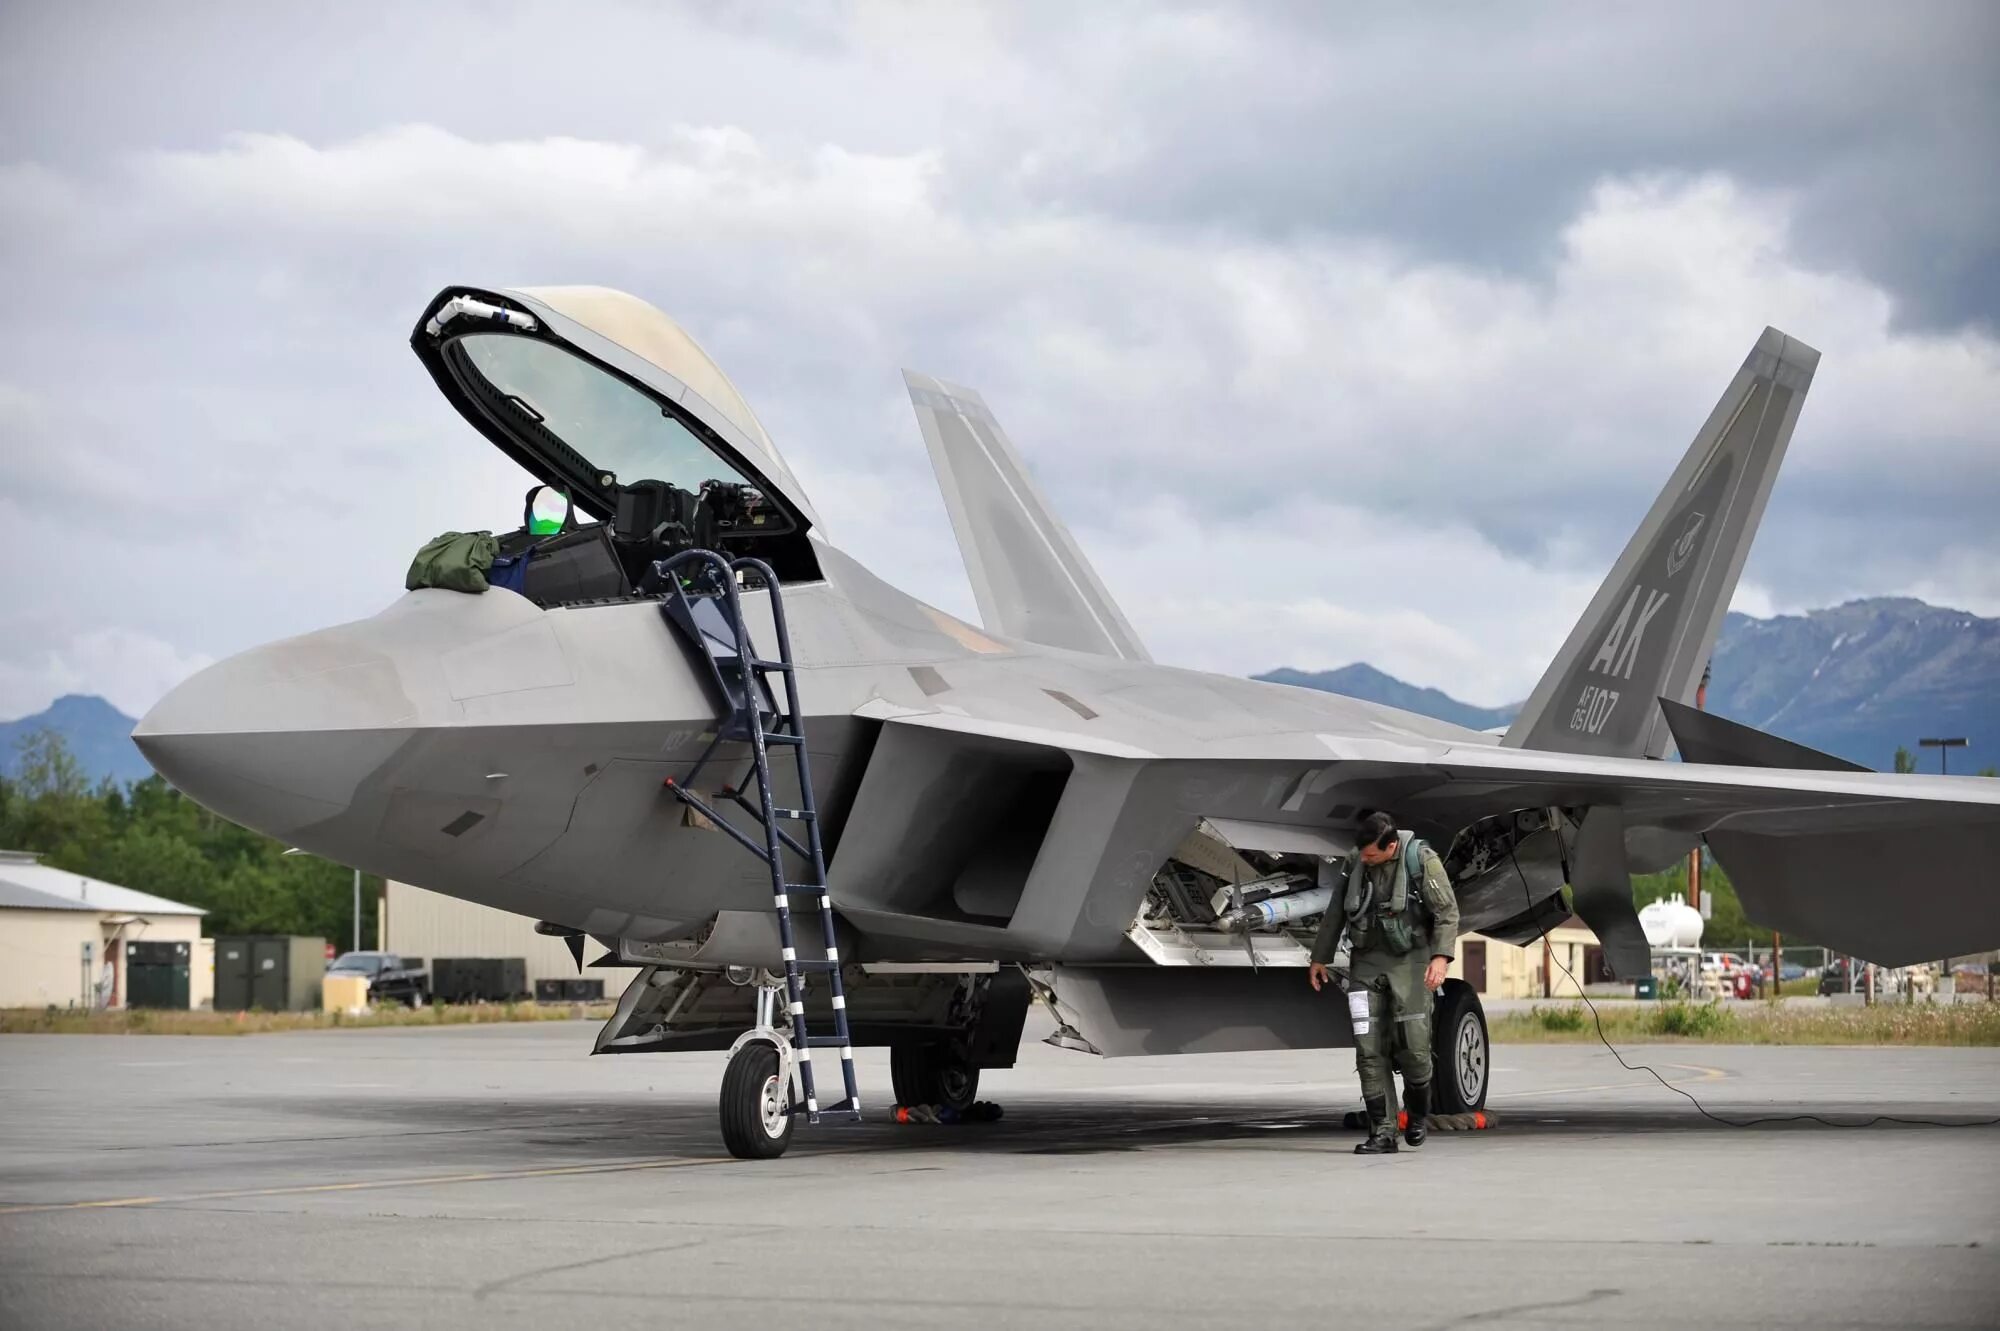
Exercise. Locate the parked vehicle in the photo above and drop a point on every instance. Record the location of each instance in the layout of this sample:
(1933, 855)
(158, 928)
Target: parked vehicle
(1726, 965)
(391, 978)
(1888, 983)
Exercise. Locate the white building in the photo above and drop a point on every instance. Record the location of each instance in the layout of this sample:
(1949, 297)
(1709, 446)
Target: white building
(416, 922)
(62, 936)
(1502, 970)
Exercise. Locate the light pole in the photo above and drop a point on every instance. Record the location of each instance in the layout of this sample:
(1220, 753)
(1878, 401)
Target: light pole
(1944, 748)
(1694, 856)
(294, 850)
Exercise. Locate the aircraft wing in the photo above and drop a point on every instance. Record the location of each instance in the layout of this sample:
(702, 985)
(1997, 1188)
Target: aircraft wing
(1895, 868)
(1029, 577)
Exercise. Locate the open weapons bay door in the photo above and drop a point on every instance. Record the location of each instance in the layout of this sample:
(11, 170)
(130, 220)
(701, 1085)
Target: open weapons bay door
(1240, 893)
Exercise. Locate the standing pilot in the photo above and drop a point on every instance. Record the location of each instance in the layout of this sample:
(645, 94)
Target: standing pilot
(1391, 938)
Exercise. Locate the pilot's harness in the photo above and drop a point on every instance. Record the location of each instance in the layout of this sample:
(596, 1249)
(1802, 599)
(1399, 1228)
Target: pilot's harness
(1405, 918)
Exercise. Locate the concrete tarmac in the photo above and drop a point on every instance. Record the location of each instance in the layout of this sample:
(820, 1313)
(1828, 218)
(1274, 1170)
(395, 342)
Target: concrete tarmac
(498, 1176)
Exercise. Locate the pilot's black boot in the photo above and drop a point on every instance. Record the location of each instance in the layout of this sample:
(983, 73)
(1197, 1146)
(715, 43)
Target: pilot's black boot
(1381, 1129)
(1417, 1103)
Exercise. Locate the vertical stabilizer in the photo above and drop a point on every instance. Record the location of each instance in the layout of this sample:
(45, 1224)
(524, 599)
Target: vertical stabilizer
(1651, 626)
(1028, 576)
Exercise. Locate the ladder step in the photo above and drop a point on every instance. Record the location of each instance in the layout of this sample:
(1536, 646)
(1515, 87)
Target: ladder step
(799, 815)
(818, 967)
(759, 663)
(773, 737)
(826, 1042)
(841, 1113)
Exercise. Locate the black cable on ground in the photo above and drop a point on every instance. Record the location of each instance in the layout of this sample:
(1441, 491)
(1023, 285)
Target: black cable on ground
(1870, 1121)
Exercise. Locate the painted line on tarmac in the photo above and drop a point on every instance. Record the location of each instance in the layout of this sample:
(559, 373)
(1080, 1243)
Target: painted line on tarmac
(366, 1185)
(1703, 1074)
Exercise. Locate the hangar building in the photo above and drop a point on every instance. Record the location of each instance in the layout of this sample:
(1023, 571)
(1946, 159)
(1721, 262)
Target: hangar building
(63, 936)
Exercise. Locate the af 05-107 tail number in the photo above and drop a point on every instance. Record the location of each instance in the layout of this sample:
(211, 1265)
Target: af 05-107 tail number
(1593, 709)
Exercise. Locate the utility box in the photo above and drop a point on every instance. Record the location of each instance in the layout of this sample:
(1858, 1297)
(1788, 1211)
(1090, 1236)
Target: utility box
(157, 974)
(268, 973)
(479, 979)
(344, 993)
(569, 991)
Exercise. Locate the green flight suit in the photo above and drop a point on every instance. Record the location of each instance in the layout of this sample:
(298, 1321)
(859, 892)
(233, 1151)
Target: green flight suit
(1399, 1007)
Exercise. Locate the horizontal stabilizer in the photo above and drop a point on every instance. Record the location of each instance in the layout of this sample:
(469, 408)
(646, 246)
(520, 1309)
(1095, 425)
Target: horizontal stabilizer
(1028, 576)
(1890, 884)
(1896, 869)
(1704, 737)
(1649, 630)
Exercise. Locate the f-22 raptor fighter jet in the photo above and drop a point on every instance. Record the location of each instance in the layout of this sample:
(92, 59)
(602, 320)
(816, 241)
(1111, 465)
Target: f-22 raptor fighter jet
(689, 722)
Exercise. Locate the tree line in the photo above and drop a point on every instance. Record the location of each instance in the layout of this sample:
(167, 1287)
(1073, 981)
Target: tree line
(148, 836)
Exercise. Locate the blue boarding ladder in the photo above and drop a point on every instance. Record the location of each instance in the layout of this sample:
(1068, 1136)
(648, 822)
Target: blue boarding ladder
(703, 605)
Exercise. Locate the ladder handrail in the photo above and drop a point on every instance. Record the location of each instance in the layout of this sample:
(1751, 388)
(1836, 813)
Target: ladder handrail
(756, 692)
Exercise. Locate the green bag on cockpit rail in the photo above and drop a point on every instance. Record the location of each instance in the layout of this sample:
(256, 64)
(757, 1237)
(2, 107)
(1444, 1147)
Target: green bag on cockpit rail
(456, 562)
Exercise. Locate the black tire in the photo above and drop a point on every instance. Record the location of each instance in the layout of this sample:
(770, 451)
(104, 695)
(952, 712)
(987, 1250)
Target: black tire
(931, 1074)
(755, 1126)
(1461, 1054)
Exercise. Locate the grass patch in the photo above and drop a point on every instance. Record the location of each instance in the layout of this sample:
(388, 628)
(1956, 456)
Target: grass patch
(1956, 1024)
(148, 1021)
(1566, 1020)
(1691, 1021)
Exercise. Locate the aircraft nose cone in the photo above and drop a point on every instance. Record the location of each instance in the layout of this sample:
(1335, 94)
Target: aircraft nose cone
(279, 737)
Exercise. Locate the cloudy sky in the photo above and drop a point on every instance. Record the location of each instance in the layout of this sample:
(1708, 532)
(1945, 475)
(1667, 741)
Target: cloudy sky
(1335, 335)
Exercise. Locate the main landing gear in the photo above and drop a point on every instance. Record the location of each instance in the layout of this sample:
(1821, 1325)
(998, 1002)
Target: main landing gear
(933, 1073)
(1461, 1056)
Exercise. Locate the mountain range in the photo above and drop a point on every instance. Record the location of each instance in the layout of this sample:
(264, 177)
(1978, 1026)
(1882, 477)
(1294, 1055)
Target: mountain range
(98, 734)
(1857, 680)
(1365, 682)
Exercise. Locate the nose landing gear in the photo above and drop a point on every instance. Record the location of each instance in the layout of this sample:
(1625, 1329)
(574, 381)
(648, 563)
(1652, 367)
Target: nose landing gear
(757, 1100)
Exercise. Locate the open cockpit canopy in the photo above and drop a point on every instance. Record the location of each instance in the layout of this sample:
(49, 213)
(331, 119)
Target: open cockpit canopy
(607, 399)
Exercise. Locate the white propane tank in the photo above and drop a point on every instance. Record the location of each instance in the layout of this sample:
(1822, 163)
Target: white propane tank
(1671, 923)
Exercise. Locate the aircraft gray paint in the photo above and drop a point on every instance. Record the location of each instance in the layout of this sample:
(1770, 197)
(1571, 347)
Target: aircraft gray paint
(1031, 798)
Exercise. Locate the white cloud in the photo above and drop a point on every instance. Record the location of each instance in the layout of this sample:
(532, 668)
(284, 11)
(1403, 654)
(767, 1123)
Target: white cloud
(129, 669)
(1253, 435)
